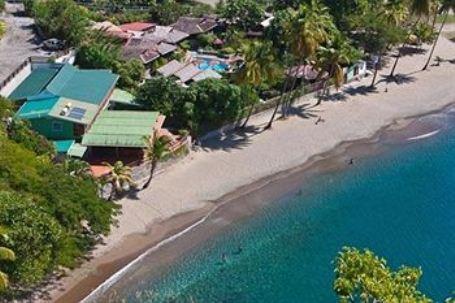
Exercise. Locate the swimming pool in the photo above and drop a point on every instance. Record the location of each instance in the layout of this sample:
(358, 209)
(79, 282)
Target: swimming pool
(215, 65)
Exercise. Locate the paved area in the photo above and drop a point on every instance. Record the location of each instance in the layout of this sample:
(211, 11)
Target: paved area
(20, 41)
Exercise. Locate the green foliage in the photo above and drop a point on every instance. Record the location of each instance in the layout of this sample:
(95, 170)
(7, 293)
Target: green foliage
(34, 236)
(20, 132)
(260, 65)
(120, 177)
(277, 29)
(246, 14)
(205, 40)
(6, 108)
(375, 33)
(167, 11)
(424, 32)
(336, 54)
(104, 52)
(2, 6)
(52, 217)
(62, 19)
(360, 275)
(216, 103)
(203, 106)
(6, 255)
(169, 98)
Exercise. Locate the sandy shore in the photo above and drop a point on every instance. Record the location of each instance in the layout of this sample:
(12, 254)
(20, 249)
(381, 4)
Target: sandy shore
(185, 192)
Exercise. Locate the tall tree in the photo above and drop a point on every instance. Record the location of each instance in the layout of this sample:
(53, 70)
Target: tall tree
(374, 33)
(310, 26)
(418, 8)
(156, 149)
(362, 276)
(447, 5)
(260, 67)
(62, 19)
(120, 176)
(331, 59)
(246, 14)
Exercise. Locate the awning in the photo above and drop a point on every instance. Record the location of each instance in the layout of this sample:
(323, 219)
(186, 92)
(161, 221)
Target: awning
(123, 97)
(62, 146)
(77, 150)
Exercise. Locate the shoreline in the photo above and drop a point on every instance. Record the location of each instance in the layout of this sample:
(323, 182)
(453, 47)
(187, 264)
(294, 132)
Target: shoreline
(144, 225)
(265, 191)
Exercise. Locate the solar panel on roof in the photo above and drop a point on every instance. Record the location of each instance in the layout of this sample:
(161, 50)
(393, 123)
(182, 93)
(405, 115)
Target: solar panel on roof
(77, 113)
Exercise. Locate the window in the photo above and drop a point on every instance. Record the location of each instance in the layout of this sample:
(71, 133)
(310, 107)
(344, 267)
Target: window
(57, 126)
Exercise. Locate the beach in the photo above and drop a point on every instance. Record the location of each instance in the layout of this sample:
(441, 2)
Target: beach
(187, 191)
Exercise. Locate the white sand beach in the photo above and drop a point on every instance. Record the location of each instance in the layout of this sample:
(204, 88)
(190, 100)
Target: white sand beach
(227, 163)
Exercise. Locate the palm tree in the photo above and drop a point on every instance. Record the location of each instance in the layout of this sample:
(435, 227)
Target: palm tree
(260, 66)
(154, 151)
(330, 60)
(447, 5)
(6, 254)
(119, 177)
(418, 8)
(309, 27)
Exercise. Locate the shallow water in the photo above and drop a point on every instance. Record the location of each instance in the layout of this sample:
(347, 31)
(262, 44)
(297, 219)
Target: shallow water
(400, 204)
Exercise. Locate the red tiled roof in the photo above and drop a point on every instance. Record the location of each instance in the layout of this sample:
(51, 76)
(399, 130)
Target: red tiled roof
(137, 26)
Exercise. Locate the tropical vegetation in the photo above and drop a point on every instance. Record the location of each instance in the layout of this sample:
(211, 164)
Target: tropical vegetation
(120, 178)
(51, 217)
(6, 255)
(361, 276)
(155, 150)
(203, 106)
(99, 51)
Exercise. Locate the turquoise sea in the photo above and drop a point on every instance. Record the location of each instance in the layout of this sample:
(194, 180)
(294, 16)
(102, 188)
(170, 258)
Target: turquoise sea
(400, 204)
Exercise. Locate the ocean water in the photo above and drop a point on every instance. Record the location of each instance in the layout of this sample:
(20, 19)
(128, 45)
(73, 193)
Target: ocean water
(400, 204)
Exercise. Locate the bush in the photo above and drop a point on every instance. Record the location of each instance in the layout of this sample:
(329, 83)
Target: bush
(62, 19)
(52, 218)
(203, 106)
(34, 236)
(20, 132)
(104, 52)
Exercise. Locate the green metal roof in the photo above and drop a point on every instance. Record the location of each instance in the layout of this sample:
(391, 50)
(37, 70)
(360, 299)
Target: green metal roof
(34, 83)
(121, 129)
(90, 86)
(62, 146)
(37, 108)
(123, 97)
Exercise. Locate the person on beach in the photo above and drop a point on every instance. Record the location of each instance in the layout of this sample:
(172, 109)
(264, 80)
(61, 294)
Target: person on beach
(351, 161)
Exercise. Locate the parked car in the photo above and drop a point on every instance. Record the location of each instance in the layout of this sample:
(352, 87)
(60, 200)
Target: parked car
(53, 44)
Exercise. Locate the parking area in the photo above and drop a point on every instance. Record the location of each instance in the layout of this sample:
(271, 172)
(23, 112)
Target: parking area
(20, 41)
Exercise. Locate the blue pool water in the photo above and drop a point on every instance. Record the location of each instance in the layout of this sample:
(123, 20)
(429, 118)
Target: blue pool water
(400, 204)
(218, 67)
